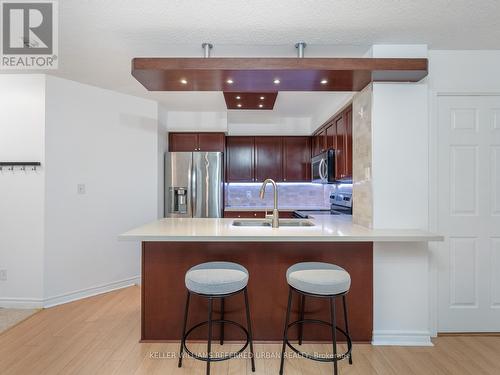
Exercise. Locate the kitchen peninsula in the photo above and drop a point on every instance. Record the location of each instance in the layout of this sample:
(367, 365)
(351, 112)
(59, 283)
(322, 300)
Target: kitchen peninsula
(171, 246)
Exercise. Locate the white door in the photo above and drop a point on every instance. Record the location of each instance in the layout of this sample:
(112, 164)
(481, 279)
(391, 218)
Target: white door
(469, 213)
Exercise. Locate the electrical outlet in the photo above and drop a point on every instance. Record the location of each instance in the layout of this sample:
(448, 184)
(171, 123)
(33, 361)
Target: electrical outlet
(3, 275)
(81, 188)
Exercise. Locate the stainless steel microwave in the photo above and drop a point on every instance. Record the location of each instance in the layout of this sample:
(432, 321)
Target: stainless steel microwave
(323, 167)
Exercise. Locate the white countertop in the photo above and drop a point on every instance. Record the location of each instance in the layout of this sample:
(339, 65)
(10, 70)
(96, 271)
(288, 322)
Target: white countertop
(335, 228)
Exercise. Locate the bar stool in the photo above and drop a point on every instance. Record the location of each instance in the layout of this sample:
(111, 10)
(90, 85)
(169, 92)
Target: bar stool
(320, 280)
(216, 280)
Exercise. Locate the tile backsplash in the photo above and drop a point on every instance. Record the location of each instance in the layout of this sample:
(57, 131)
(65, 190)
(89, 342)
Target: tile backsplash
(290, 195)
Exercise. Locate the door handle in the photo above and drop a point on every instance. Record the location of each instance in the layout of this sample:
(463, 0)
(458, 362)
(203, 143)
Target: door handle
(320, 169)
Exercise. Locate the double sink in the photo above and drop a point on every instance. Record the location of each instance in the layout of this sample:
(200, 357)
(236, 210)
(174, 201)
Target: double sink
(267, 223)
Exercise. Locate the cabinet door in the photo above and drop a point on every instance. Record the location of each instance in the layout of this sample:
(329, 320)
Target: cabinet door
(211, 142)
(348, 145)
(179, 142)
(240, 159)
(268, 158)
(322, 140)
(297, 159)
(315, 145)
(244, 214)
(331, 134)
(340, 162)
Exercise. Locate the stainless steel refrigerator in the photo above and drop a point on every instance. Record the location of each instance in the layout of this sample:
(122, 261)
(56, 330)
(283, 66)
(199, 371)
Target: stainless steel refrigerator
(194, 184)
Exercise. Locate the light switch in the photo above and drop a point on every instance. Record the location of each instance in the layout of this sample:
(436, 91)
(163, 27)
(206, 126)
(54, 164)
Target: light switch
(81, 188)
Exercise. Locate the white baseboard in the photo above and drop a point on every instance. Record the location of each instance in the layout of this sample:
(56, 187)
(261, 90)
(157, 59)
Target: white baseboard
(402, 338)
(21, 303)
(89, 292)
(34, 303)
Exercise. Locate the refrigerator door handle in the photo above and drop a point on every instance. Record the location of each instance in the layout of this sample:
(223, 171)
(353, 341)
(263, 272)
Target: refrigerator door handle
(193, 189)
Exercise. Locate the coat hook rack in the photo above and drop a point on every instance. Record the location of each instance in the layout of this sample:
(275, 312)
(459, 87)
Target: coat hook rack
(23, 164)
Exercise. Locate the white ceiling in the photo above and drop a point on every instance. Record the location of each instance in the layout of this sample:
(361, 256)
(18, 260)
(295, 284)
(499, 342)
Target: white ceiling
(98, 38)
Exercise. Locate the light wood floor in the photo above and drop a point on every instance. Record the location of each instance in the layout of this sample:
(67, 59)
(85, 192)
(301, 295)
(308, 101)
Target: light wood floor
(99, 335)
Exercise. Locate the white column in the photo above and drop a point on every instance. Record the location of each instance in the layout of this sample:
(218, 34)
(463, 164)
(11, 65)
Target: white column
(400, 173)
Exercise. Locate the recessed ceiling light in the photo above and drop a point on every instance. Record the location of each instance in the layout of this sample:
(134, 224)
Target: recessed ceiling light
(238, 105)
(262, 98)
(324, 81)
(184, 81)
(276, 81)
(261, 105)
(230, 81)
(238, 97)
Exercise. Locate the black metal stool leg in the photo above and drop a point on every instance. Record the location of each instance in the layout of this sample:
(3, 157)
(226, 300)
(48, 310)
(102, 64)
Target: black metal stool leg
(301, 328)
(285, 333)
(334, 333)
(222, 323)
(344, 302)
(249, 327)
(209, 345)
(184, 329)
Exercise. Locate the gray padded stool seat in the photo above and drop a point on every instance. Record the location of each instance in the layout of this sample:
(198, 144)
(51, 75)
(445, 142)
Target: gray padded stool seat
(216, 281)
(318, 278)
(321, 281)
(216, 278)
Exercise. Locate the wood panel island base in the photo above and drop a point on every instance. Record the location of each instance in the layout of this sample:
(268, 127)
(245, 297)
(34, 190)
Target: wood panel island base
(164, 264)
(380, 261)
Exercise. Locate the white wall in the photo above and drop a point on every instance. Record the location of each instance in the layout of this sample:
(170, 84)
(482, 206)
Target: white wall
(162, 148)
(22, 120)
(267, 123)
(196, 121)
(327, 110)
(464, 71)
(109, 142)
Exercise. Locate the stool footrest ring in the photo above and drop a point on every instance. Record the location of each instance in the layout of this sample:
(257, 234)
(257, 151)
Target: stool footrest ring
(316, 358)
(210, 358)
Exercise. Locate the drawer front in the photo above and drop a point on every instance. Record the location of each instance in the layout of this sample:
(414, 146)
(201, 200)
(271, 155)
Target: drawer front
(244, 214)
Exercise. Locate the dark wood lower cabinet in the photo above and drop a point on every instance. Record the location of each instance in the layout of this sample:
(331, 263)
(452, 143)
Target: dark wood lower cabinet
(244, 214)
(164, 265)
(255, 214)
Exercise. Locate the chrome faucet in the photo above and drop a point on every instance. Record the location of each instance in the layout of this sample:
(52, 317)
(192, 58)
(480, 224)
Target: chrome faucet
(275, 215)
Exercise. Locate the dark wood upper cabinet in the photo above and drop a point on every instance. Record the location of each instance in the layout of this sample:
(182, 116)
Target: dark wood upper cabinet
(331, 136)
(348, 143)
(337, 134)
(186, 142)
(340, 156)
(296, 159)
(180, 142)
(322, 140)
(268, 158)
(240, 161)
(211, 142)
(253, 159)
(315, 145)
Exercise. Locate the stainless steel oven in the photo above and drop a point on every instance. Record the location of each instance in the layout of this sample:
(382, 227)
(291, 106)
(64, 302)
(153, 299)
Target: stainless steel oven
(323, 167)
